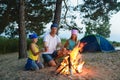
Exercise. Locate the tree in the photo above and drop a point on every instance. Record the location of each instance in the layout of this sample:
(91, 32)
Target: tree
(22, 35)
(36, 15)
(96, 14)
(8, 14)
(57, 15)
(68, 17)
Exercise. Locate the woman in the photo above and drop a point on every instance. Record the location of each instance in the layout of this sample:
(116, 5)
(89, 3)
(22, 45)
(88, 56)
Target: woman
(71, 43)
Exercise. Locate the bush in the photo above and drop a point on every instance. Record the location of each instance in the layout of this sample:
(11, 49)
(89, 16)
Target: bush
(12, 45)
(116, 44)
(8, 45)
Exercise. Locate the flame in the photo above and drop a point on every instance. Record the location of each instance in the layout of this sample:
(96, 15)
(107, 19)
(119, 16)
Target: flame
(72, 63)
(79, 68)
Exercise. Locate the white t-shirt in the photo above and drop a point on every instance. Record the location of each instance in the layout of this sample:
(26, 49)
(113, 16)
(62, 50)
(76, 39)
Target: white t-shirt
(51, 43)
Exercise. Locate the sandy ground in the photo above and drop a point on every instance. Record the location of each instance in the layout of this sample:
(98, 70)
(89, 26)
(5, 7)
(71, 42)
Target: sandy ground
(98, 66)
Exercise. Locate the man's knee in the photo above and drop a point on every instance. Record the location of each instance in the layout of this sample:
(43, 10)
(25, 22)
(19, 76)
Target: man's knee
(52, 63)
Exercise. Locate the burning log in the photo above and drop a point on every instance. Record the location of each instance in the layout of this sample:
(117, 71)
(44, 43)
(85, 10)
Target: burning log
(72, 63)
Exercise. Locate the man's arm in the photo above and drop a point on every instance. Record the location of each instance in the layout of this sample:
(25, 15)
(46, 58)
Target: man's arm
(60, 45)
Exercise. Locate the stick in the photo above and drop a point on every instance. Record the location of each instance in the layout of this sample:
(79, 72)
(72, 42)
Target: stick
(70, 65)
(62, 69)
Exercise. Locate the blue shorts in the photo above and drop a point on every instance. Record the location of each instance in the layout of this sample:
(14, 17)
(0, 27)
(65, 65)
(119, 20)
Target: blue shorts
(33, 65)
(49, 57)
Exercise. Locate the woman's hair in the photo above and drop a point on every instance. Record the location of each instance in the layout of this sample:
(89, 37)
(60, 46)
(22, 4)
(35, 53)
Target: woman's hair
(75, 38)
(74, 31)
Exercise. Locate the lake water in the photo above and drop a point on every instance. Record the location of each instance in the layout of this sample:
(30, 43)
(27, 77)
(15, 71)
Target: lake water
(117, 48)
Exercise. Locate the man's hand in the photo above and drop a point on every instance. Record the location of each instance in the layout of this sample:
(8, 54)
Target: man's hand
(81, 45)
(46, 49)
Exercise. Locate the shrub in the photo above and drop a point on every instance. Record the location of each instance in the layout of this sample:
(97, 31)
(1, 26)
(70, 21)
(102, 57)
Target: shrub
(9, 45)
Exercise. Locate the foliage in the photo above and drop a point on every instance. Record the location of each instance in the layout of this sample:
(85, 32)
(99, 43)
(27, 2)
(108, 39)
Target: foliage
(101, 29)
(116, 44)
(96, 15)
(8, 13)
(69, 16)
(38, 13)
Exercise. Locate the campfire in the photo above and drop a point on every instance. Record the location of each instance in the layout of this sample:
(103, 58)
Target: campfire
(72, 63)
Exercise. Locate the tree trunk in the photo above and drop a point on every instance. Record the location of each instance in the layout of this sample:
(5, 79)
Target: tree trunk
(57, 12)
(22, 35)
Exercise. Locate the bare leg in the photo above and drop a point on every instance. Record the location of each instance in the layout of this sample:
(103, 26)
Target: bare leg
(52, 63)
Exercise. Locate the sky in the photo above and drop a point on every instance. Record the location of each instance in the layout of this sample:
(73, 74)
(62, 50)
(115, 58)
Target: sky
(114, 21)
(115, 31)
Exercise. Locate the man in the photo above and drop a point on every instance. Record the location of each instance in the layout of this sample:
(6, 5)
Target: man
(51, 42)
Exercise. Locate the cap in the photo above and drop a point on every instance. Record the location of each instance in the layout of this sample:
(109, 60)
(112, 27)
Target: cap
(32, 36)
(54, 25)
(74, 31)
